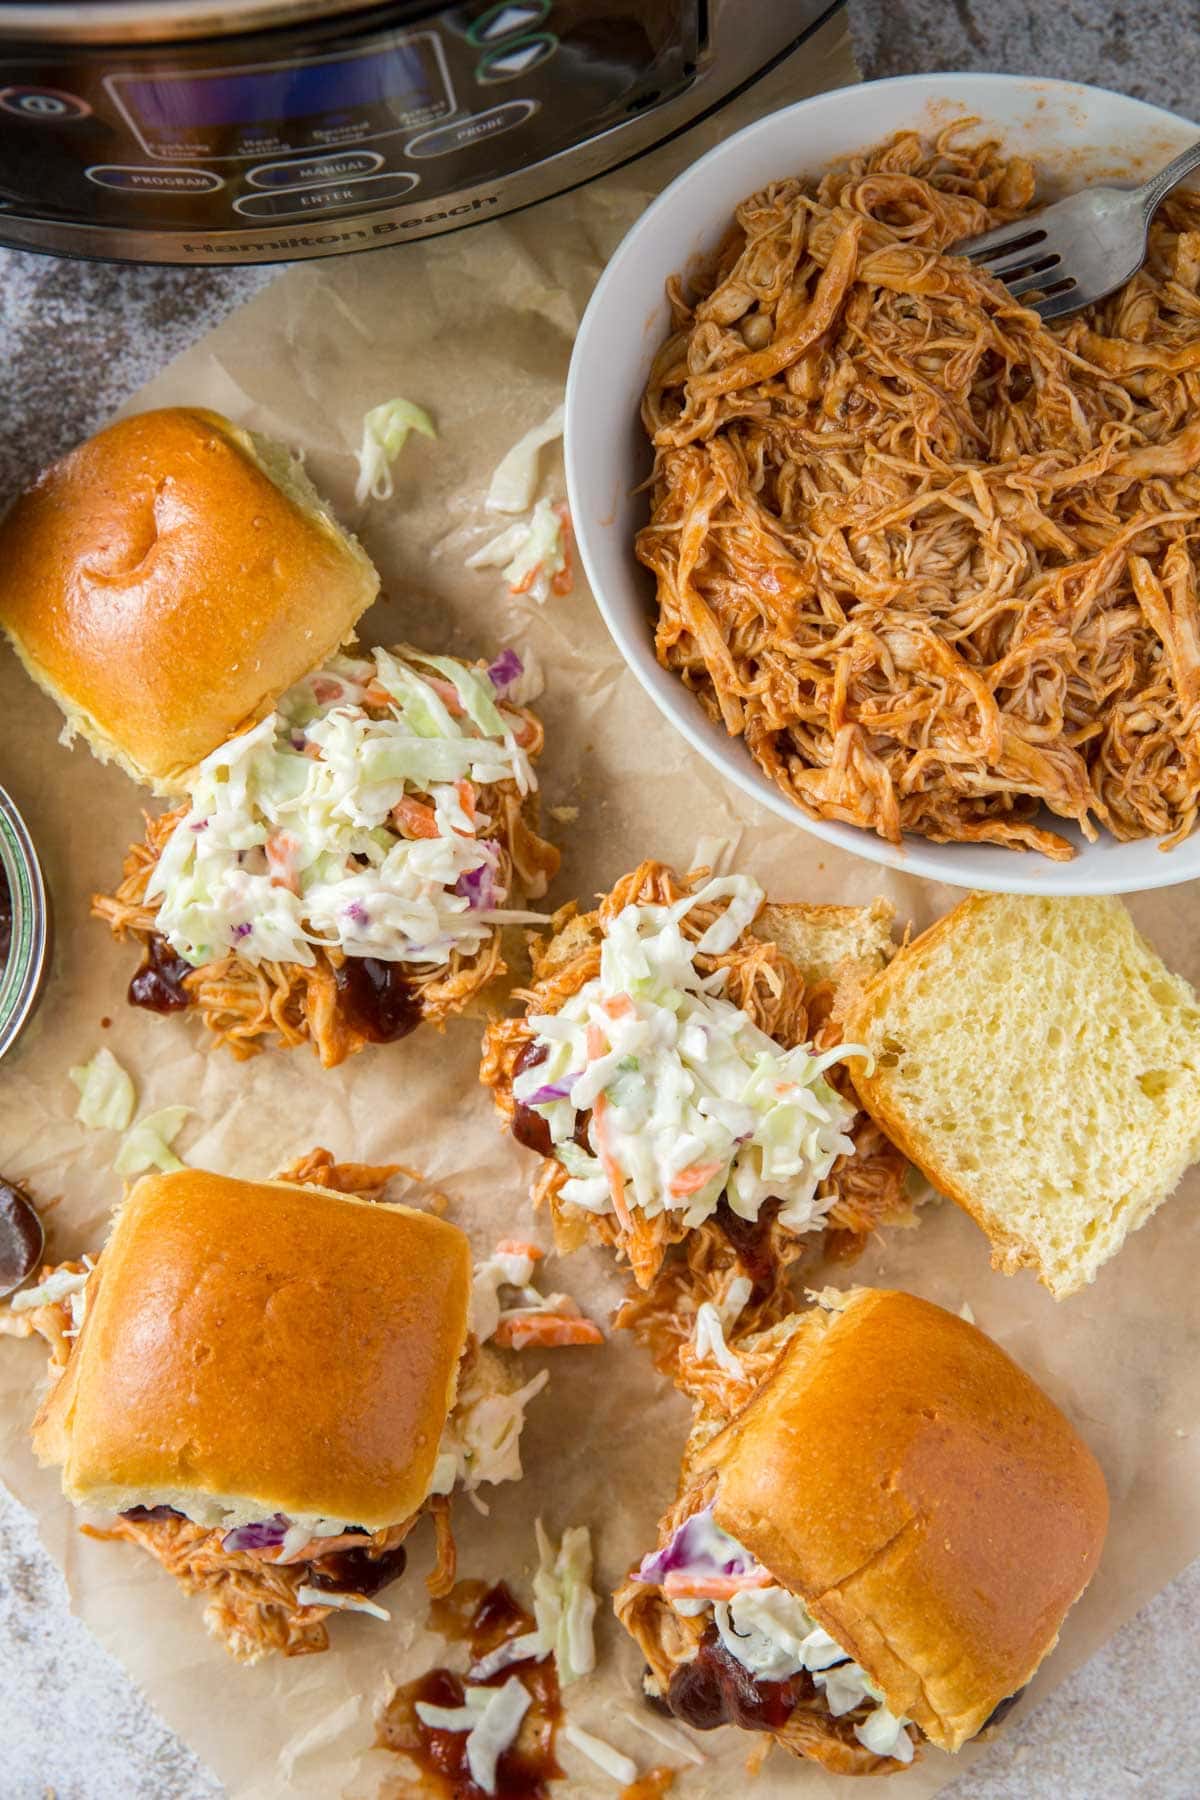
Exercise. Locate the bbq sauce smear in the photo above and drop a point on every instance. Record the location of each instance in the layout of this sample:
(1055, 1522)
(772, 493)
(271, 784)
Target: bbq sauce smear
(714, 1689)
(158, 984)
(481, 1617)
(376, 998)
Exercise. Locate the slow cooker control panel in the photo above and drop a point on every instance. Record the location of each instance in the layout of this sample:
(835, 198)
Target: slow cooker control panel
(339, 121)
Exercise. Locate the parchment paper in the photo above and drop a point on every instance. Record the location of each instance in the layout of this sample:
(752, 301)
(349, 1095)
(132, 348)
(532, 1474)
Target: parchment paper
(478, 328)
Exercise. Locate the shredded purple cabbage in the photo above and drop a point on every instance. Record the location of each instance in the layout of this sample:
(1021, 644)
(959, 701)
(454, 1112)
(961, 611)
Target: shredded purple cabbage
(506, 669)
(478, 886)
(700, 1547)
(298, 740)
(199, 825)
(356, 912)
(242, 931)
(554, 1090)
(264, 1534)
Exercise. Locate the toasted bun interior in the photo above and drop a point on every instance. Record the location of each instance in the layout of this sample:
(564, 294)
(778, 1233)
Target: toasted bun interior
(929, 1503)
(259, 1347)
(167, 580)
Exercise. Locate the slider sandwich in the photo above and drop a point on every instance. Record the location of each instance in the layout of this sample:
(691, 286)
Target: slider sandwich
(270, 1384)
(876, 1548)
(679, 1069)
(352, 824)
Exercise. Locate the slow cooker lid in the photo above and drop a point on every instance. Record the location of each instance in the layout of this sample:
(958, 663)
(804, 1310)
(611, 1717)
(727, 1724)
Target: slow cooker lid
(168, 21)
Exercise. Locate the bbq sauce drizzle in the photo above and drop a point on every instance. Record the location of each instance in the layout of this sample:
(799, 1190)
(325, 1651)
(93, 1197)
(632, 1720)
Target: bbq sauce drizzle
(481, 1617)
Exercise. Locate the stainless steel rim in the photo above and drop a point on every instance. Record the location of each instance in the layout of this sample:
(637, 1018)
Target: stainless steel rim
(163, 21)
(22, 975)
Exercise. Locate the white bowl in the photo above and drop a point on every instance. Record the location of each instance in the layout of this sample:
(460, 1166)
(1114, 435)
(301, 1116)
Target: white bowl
(1076, 135)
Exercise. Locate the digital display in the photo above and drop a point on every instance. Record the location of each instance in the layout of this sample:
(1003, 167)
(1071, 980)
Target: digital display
(401, 82)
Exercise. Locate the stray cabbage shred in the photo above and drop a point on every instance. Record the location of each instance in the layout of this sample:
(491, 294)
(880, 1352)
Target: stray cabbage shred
(534, 554)
(293, 836)
(106, 1093)
(148, 1144)
(386, 430)
(689, 1099)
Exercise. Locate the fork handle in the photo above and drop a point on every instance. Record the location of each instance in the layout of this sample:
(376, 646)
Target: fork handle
(1160, 185)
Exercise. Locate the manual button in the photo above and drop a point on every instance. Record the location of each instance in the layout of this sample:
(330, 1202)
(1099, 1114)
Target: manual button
(315, 170)
(372, 190)
(466, 132)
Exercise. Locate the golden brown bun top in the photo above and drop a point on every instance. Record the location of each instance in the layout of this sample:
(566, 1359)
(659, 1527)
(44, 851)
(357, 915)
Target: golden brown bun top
(167, 580)
(262, 1347)
(929, 1503)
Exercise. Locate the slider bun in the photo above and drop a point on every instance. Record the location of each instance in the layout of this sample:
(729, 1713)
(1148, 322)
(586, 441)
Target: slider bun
(260, 1347)
(169, 579)
(933, 1509)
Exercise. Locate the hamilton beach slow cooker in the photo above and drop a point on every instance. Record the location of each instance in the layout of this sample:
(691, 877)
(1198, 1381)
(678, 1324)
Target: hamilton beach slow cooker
(262, 130)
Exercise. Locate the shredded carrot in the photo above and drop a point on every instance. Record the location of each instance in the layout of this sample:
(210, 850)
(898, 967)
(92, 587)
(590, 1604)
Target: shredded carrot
(713, 1587)
(525, 733)
(326, 688)
(619, 1007)
(281, 860)
(545, 1331)
(523, 586)
(415, 818)
(597, 1044)
(466, 797)
(518, 1247)
(564, 580)
(616, 1181)
(375, 694)
(691, 1180)
(446, 692)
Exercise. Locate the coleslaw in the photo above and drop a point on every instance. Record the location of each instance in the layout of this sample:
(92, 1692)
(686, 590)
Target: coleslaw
(349, 819)
(688, 1099)
(766, 1628)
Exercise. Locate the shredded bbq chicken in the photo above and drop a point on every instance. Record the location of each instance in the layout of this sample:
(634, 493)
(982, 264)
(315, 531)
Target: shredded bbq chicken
(934, 560)
(768, 986)
(248, 1006)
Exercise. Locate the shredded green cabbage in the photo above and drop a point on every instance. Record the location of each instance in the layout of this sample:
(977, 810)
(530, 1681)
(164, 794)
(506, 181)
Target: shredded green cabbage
(514, 482)
(386, 430)
(148, 1144)
(106, 1093)
(564, 1604)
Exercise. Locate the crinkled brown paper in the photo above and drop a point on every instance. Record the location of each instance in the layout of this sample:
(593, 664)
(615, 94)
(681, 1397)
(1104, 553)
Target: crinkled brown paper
(478, 328)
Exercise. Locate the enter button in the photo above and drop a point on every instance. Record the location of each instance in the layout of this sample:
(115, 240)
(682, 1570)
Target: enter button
(465, 132)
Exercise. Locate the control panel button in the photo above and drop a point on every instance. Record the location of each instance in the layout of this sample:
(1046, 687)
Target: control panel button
(509, 60)
(137, 179)
(315, 169)
(507, 19)
(466, 132)
(43, 105)
(372, 190)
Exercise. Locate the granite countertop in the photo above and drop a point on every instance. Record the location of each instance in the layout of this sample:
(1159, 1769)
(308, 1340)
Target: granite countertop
(77, 339)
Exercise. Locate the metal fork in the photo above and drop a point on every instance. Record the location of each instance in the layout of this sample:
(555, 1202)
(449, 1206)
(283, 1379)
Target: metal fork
(1079, 249)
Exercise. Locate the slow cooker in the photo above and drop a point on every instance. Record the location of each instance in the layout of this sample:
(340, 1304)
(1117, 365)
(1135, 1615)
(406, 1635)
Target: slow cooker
(184, 131)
